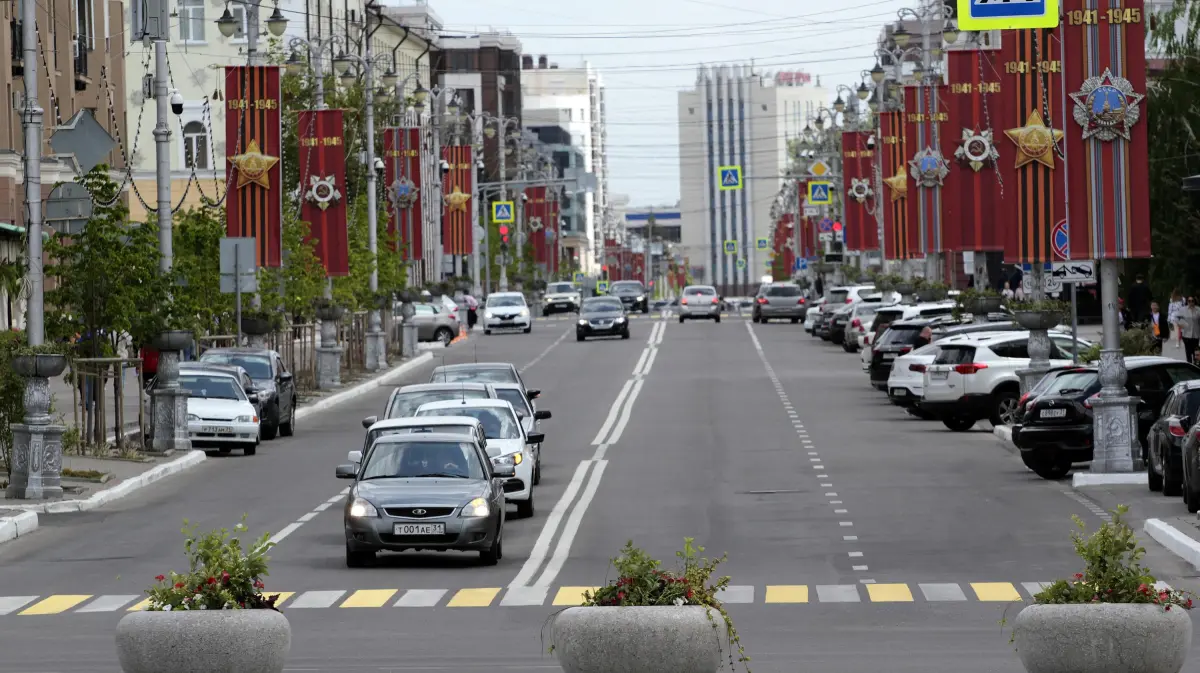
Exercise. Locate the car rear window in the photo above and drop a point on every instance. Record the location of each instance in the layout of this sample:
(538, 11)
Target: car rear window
(955, 355)
(627, 286)
(1073, 382)
(838, 296)
(929, 312)
(701, 290)
(1190, 404)
(783, 291)
(865, 311)
(901, 335)
(406, 404)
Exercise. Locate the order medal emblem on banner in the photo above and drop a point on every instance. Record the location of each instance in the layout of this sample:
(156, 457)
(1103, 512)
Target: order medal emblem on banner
(402, 173)
(322, 161)
(254, 175)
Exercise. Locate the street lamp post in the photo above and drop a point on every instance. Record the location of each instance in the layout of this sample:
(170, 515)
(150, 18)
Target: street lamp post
(228, 25)
(435, 99)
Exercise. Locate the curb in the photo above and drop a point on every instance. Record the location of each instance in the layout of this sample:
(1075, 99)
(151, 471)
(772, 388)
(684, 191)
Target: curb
(1176, 542)
(158, 473)
(1004, 434)
(13, 527)
(364, 387)
(1081, 479)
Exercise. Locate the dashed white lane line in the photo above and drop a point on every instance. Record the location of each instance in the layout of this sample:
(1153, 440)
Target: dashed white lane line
(855, 554)
(544, 353)
(850, 538)
(859, 568)
(309, 516)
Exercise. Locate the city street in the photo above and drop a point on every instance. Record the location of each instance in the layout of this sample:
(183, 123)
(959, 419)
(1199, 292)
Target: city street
(859, 539)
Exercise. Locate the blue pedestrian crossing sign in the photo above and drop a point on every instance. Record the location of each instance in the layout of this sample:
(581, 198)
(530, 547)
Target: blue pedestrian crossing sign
(730, 247)
(1007, 14)
(801, 264)
(741, 264)
(502, 212)
(601, 286)
(760, 244)
(729, 177)
(580, 277)
(820, 193)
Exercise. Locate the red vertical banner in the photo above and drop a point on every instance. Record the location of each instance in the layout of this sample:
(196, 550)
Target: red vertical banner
(638, 260)
(895, 186)
(322, 158)
(858, 170)
(537, 216)
(1033, 200)
(805, 230)
(924, 117)
(785, 242)
(402, 175)
(972, 189)
(456, 198)
(1107, 148)
(253, 138)
(553, 226)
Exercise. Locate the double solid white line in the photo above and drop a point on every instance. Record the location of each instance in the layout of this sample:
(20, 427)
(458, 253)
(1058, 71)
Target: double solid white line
(524, 589)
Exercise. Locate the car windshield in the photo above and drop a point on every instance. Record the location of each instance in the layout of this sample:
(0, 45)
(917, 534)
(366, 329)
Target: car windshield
(257, 366)
(211, 387)
(706, 291)
(602, 306)
(498, 423)
(406, 404)
(516, 398)
(558, 288)
(495, 301)
(838, 296)
(475, 375)
(627, 287)
(783, 291)
(414, 460)
(1072, 382)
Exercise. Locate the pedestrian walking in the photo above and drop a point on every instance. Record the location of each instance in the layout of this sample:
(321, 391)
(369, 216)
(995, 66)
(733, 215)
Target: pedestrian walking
(1007, 292)
(1139, 300)
(1188, 320)
(472, 311)
(1158, 326)
(1177, 303)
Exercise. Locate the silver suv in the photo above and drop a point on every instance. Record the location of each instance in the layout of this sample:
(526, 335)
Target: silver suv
(779, 301)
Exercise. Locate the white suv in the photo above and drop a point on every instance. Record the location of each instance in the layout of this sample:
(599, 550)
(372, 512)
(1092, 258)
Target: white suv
(976, 378)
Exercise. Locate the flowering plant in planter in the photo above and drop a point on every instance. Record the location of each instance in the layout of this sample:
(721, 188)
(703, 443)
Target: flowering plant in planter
(221, 574)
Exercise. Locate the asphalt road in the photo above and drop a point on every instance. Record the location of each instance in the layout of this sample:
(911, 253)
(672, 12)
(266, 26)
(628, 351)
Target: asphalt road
(859, 539)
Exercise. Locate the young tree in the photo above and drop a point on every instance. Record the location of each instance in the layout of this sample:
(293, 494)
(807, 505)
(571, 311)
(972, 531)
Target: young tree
(197, 235)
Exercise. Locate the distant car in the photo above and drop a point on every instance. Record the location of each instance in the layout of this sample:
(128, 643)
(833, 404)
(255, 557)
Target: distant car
(700, 302)
(661, 305)
(506, 311)
(435, 491)
(434, 323)
(405, 401)
(632, 294)
(221, 415)
(779, 301)
(1164, 442)
(478, 372)
(276, 385)
(602, 316)
(561, 298)
(240, 374)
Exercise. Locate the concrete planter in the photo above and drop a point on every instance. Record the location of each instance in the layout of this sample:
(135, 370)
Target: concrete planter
(255, 326)
(1102, 638)
(1042, 320)
(638, 639)
(330, 313)
(982, 305)
(210, 641)
(172, 340)
(41, 365)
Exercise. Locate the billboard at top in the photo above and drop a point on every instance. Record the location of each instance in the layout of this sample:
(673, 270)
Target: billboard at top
(793, 78)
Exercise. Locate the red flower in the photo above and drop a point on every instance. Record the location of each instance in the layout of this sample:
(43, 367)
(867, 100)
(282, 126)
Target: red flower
(1078, 576)
(199, 589)
(1189, 604)
(620, 595)
(212, 580)
(1167, 608)
(689, 593)
(159, 578)
(258, 584)
(225, 577)
(1143, 588)
(179, 585)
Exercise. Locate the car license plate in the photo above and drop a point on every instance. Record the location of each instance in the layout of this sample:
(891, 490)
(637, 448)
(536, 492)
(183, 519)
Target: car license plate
(939, 376)
(1054, 413)
(899, 392)
(888, 357)
(217, 430)
(419, 529)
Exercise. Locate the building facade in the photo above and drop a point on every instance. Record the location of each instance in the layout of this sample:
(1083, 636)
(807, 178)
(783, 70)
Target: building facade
(738, 117)
(81, 66)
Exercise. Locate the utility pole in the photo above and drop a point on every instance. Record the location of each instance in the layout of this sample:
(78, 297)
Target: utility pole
(162, 151)
(376, 354)
(649, 261)
(35, 318)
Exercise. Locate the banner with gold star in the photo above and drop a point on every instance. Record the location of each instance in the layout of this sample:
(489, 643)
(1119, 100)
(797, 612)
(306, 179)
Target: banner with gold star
(973, 188)
(895, 185)
(1104, 74)
(322, 159)
(456, 199)
(253, 139)
(1029, 132)
(858, 179)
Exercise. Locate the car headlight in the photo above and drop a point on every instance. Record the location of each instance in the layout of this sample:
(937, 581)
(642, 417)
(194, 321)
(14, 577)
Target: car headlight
(361, 508)
(193, 417)
(476, 508)
(583, 322)
(489, 315)
(641, 297)
(621, 319)
(523, 312)
(513, 459)
(246, 419)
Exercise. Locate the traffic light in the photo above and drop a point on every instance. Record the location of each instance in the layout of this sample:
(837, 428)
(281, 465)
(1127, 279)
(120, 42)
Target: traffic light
(835, 252)
(604, 272)
(504, 234)
(838, 234)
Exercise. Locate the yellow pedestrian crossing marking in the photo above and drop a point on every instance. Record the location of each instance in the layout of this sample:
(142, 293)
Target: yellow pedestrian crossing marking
(281, 596)
(571, 595)
(473, 598)
(55, 604)
(889, 593)
(369, 598)
(787, 593)
(996, 591)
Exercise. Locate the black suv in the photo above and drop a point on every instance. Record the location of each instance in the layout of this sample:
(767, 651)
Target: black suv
(276, 385)
(900, 338)
(632, 295)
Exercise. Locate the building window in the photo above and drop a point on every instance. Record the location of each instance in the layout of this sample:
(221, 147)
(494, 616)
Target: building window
(191, 20)
(462, 61)
(195, 145)
(84, 23)
(239, 14)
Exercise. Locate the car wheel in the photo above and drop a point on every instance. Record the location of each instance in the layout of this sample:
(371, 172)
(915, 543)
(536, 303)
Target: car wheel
(250, 450)
(681, 319)
(646, 309)
(1191, 498)
(444, 335)
(795, 320)
(492, 555)
(358, 559)
(1006, 407)
(527, 330)
(525, 507)
(1052, 469)
(537, 472)
(580, 337)
(918, 412)
(959, 423)
(625, 334)
(1153, 479)
(717, 318)
(289, 429)
(270, 428)
(545, 314)
(487, 331)
(847, 347)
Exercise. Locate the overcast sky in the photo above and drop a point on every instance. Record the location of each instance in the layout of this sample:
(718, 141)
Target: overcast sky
(646, 50)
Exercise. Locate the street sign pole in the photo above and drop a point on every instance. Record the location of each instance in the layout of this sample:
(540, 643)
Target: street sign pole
(1074, 323)
(237, 293)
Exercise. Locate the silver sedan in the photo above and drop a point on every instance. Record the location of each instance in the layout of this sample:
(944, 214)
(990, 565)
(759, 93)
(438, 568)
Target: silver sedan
(700, 302)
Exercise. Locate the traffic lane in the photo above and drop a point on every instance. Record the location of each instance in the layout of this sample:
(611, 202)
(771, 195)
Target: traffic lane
(899, 638)
(116, 548)
(573, 377)
(710, 453)
(925, 503)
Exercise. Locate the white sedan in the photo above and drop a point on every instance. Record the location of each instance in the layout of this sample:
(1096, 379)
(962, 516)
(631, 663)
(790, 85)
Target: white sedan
(221, 415)
(506, 311)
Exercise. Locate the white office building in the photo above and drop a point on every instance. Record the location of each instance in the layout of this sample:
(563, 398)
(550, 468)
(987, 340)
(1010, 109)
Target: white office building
(737, 116)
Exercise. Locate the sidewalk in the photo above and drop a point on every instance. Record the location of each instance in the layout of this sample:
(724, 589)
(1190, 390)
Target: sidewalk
(68, 401)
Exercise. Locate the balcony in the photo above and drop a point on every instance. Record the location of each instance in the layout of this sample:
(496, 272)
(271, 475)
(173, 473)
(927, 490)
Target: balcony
(81, 63)
(14, 40)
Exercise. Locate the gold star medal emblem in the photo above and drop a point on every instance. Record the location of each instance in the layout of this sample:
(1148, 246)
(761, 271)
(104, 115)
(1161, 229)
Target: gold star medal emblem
(898, 184)
(457, 200)
(1035, 141)
(252, 166)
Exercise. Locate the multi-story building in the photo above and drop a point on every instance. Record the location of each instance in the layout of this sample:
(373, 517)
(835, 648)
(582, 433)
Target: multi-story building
(575, 96)
(736, 117)
(80, 62)
(567, 161)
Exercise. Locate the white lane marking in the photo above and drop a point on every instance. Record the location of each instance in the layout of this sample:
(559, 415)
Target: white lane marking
(13, 603)
(866, 581)
(859, 568)
(650, 362)
(855, 554)
(812, 453)
(835, 502)
(818, 467)
(850, 538)
(307, 517)
(637, 369)
(612, 414)
(827, 485)
(839, 511)
(336, 499)
(662, 332)
(814, 460)
(316, 599)
(420, 598)
(108, 604)
(323, 506)
(600, 451)
(286, 531)
(822, 476)
(569, 531)
(542, 545)
(845, 524)
(626, 413)
(831, 494)
(544, 353)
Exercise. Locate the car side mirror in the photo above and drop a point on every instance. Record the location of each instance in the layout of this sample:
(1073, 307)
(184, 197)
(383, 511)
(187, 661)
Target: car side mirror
(535, 438)
(285, 376)
(532, 394)
(369, 421)
(253, 397)
(354, 457)
(542, 415)
(504, 471)
(346, 471)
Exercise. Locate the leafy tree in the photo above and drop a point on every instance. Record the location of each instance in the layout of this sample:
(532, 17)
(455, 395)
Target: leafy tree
(302, 278)
(197, 235)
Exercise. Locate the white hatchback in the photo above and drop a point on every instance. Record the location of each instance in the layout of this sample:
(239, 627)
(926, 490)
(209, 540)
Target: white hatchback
(506, 311)
(220, 414)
